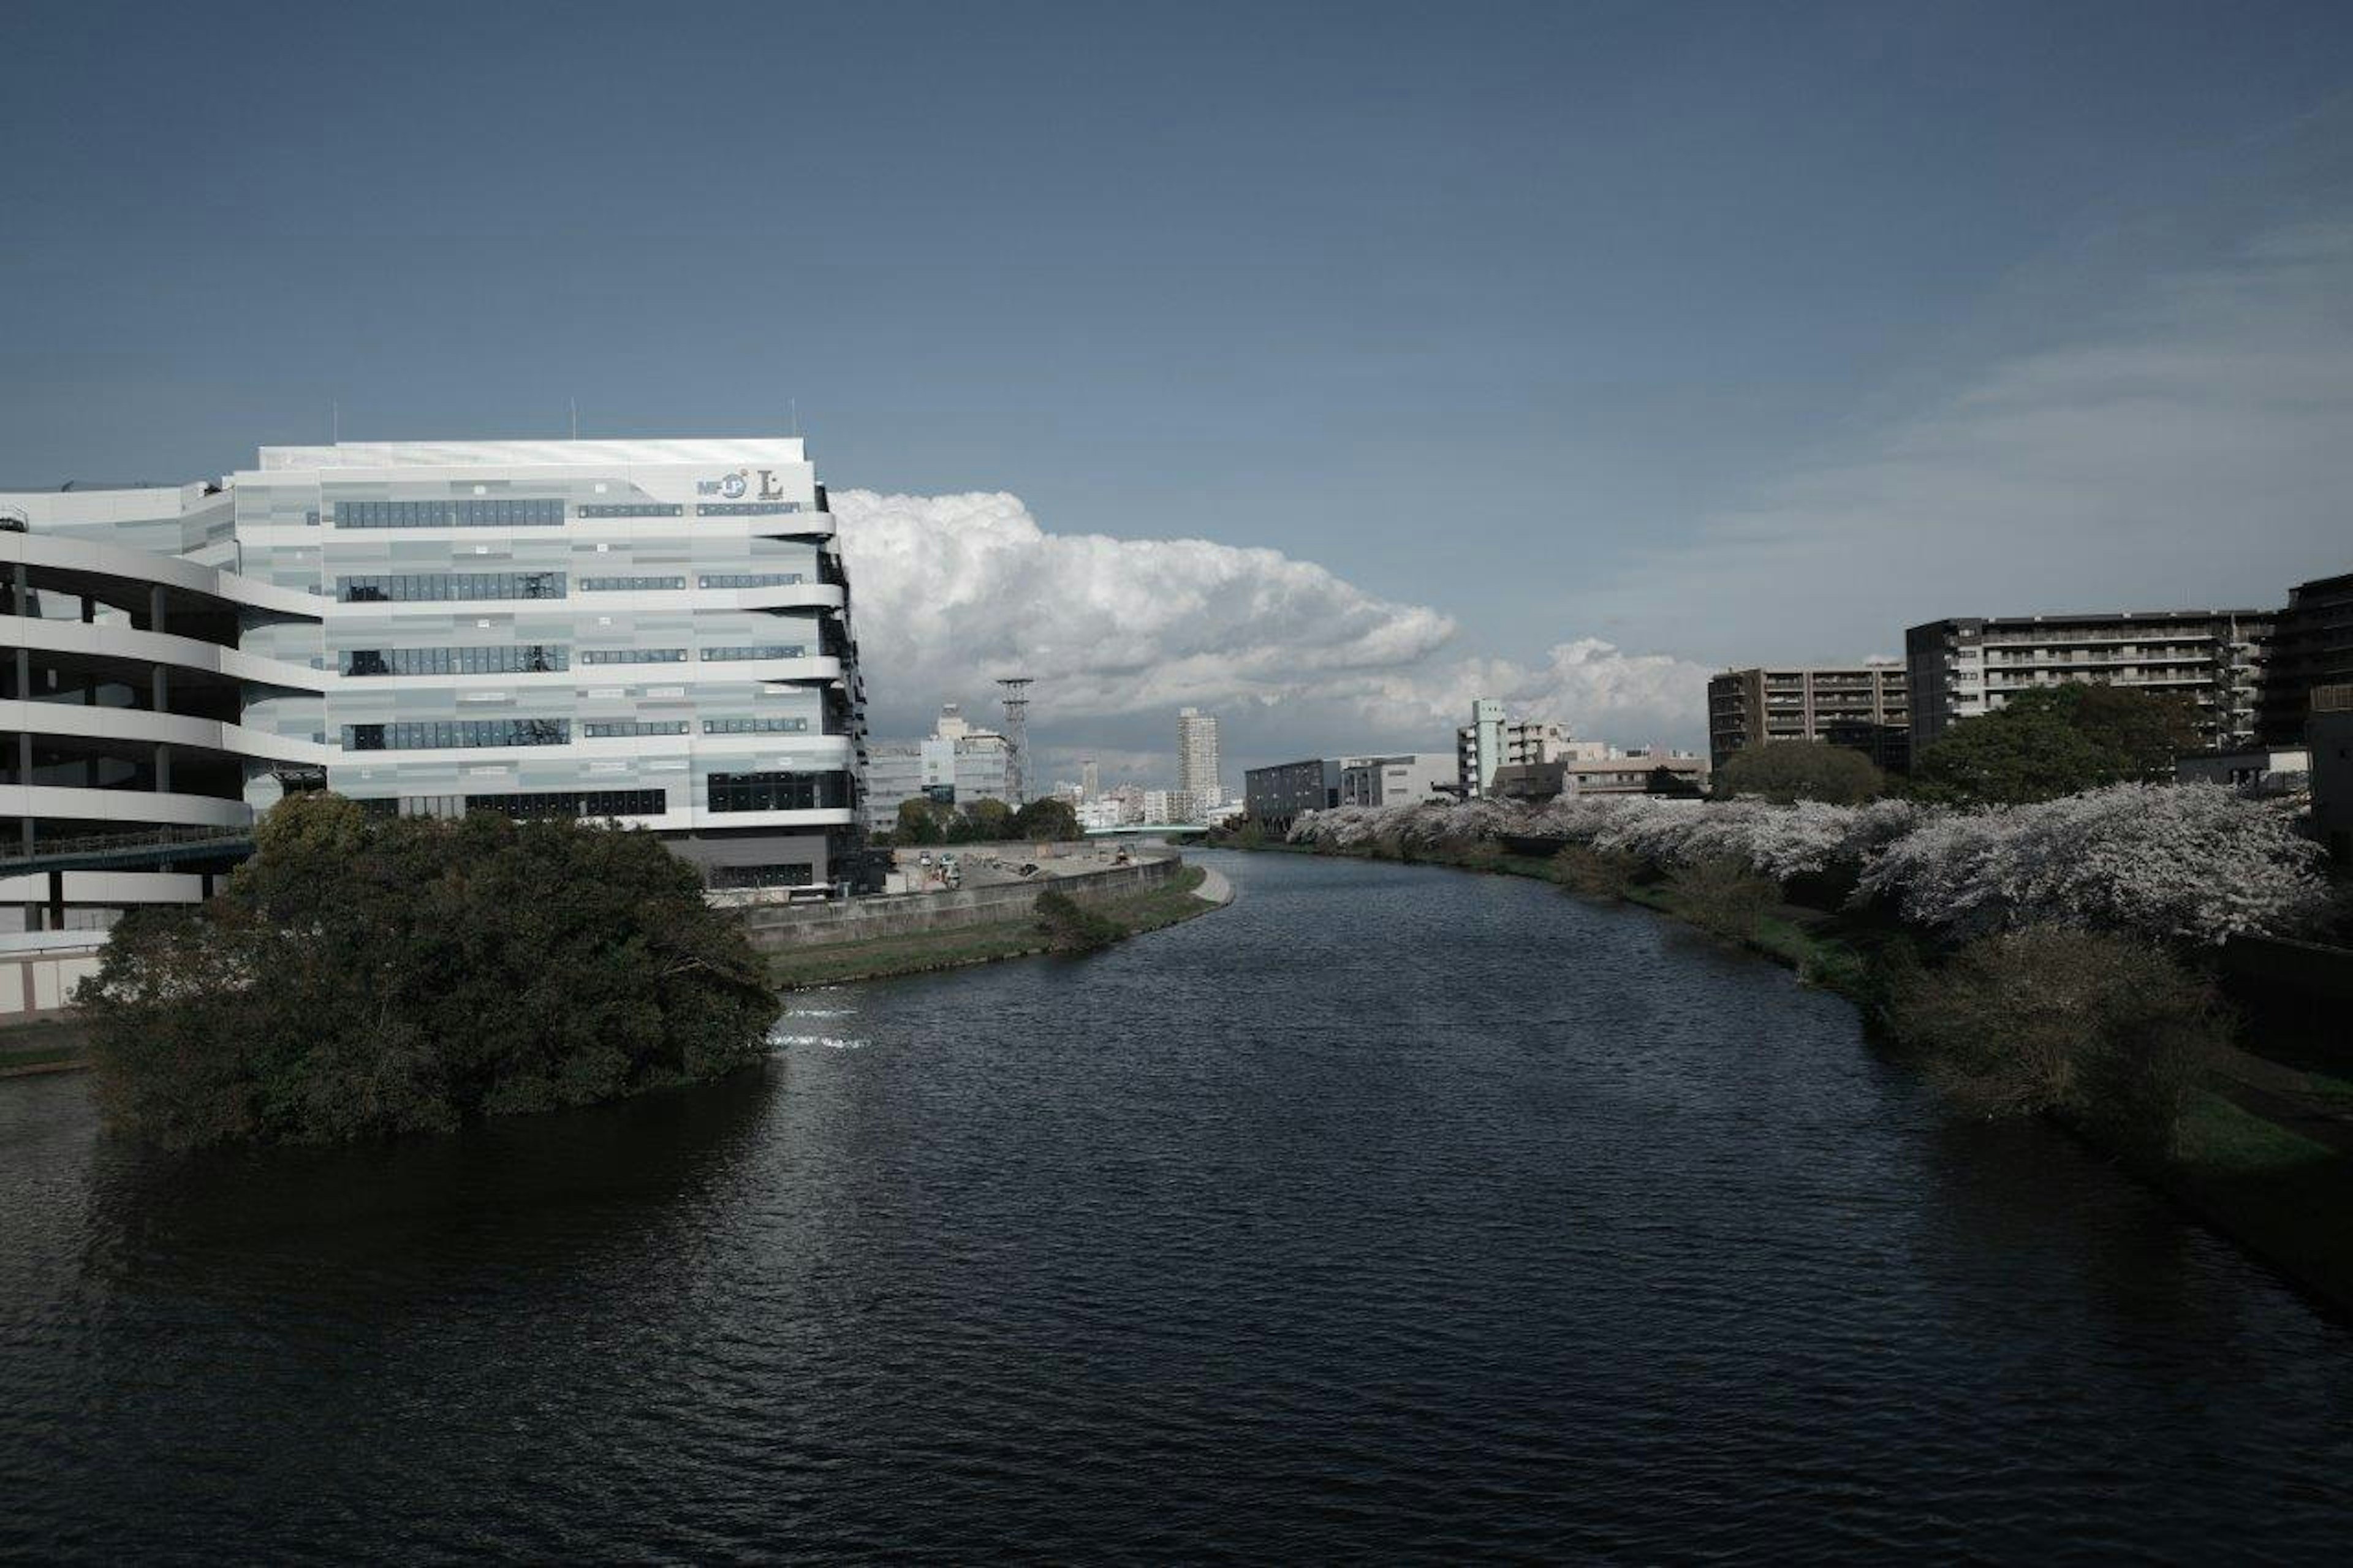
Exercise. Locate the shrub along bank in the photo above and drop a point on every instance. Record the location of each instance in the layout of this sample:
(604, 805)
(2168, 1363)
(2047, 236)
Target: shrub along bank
(2019, 987)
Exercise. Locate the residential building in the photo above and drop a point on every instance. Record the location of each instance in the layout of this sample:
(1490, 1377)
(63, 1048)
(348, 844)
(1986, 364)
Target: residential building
(654, 631)
(1274, 796)
(1090, 780)
(1961, 668)
(2329, 739)
(1864, 706)
(1197, 756)
(1404, 779)
(1494, 740)
(956, 764)
(2311, 646)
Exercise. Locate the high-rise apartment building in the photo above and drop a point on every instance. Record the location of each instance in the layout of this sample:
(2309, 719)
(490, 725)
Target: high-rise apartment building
(654, 631)
(1865, 707)
(1964, 667)
(1197, 756)
(1090, 780)
(2311, 646)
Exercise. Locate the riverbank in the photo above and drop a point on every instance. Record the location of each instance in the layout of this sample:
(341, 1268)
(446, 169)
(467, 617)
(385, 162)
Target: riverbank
(1187, 894)
(2273, 1190)
(43, 1044)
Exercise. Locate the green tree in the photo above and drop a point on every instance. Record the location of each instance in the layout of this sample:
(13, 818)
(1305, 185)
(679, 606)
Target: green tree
(363, 976)
(1786, 771)
(2143, 731)
(986, 821)
(2090, 1025)
(1050, 820)
(2054, 742)
(918, 823)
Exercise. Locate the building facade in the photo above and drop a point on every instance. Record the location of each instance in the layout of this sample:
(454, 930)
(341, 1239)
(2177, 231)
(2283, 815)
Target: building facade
(1865, 707)
(1494, 740)
(1403, 780)
(652, 631)
(2311, 646)
(1962, 668)
(1273, 796)
(2328, 746)
(954, 765)
(1196, 757)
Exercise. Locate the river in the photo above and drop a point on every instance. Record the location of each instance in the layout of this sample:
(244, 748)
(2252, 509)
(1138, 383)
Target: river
(1392, 1212)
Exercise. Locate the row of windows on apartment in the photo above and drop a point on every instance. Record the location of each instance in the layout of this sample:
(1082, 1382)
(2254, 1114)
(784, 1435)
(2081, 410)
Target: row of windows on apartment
(516, 513)
(537, 658)
(410, 587)
(440, 734)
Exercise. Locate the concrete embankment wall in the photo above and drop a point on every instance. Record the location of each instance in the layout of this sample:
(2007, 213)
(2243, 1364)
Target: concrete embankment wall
(774, 928)
(38, 976)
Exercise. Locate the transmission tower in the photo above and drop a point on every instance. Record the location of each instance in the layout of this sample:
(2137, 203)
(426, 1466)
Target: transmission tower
(1014, 692)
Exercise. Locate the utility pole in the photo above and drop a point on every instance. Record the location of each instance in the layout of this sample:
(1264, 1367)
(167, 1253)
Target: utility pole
(1014, 692)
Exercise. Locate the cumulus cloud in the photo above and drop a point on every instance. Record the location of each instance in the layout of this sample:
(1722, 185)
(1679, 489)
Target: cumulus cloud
(954, 590)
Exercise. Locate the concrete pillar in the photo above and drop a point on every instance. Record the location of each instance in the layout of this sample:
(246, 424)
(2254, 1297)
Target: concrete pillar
(24, 669)
(162, 768)
(23, 577)
(57, 901)
(158, 695)
(155, 608)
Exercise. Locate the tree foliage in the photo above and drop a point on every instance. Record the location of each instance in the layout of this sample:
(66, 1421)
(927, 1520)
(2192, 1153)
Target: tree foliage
(2057, 740)
(1785, 772)
(919, 823)
(2173, 862)
(365, 975)
(1721, 895)
(1050, 820)
(2085, 1023)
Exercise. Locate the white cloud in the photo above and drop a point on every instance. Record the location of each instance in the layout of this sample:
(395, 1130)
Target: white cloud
(2188, 448)
(953, 590)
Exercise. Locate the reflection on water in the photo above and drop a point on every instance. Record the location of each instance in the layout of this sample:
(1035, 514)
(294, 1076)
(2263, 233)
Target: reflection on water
(1388, 1212)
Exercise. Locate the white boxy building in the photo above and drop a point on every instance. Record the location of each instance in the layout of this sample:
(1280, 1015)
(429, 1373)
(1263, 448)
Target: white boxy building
(656, 631)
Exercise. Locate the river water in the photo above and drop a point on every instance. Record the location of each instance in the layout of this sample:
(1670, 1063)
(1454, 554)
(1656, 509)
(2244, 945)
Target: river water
(1390, 1213)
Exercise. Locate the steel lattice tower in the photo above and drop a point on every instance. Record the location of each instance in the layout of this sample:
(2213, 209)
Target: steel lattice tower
(1014, 692)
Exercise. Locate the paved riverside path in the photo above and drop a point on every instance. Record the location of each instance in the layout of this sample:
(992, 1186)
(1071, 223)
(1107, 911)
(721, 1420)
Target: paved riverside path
(1213, 888)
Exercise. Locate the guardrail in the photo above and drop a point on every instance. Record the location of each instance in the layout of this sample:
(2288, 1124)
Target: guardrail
(103, 847)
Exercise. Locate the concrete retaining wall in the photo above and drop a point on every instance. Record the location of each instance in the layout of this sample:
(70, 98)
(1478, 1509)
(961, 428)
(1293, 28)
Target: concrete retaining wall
(775, 927)
(37, 984)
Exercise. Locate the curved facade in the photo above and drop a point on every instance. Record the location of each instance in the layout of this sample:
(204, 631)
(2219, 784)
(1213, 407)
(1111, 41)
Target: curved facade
(654, 631)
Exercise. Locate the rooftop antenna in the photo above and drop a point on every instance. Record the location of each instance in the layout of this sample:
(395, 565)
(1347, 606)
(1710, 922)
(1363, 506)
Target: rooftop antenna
(576, 419)
(797, 417)
(334, 423)
(1014, 692)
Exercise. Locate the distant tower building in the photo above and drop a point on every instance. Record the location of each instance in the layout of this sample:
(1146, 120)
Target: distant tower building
(1090, 780)
(1197, 756)
(1015, 698)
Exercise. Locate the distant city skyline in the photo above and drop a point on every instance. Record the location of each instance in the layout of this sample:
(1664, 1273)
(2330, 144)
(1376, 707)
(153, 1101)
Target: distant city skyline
(1567, 354)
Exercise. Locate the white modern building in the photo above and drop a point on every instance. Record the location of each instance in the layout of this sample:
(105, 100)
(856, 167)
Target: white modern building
(655, 631)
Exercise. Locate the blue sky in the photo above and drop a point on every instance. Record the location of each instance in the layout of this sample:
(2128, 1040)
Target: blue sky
(1676, 334)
